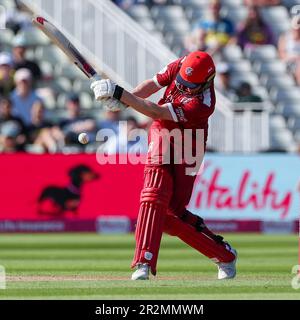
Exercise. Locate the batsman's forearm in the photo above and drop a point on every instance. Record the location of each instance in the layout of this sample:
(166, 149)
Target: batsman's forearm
(145, 107)
(145, 89)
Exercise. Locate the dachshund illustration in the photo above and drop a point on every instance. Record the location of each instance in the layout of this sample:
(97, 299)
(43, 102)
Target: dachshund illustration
(56, 201)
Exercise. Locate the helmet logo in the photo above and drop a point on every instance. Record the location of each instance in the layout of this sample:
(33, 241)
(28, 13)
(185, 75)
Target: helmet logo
(189, 71)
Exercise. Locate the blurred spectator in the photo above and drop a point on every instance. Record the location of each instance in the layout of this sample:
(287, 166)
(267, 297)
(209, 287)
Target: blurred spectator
(11, 138)
(137, 137)
(128, 139)
(254, 31)
(289, 51)
(6, 114)
(42, 132)
(16, 19)
(223, 80)
(124, 4)
(76, 123)
(244, 94)
(38, 122)
(19, 57)
(213, 33)
(110, 121)
(23, 97)
(6, 74)
(155, 2)
(261, 3)
(38, 116)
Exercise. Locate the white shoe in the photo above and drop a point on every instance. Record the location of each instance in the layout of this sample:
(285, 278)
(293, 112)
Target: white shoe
(227, 270)
(142, 272)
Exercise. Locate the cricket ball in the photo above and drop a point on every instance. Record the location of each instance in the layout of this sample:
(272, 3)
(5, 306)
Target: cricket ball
(83, 138)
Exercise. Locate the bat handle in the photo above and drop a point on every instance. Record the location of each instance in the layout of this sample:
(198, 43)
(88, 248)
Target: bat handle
(95, 77)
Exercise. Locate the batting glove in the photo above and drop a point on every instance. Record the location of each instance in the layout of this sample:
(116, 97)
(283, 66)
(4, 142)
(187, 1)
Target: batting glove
(106, 88)
(114, 105)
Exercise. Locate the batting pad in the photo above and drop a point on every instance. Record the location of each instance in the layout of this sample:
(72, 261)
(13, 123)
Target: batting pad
(201, 241)
(155, 198)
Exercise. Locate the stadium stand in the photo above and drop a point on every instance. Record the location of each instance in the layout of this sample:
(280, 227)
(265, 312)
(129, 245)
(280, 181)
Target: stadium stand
(172, 21)
(260, 66)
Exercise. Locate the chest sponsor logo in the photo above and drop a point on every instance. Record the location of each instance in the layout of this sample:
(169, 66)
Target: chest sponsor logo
(185, 100)
(180, 114)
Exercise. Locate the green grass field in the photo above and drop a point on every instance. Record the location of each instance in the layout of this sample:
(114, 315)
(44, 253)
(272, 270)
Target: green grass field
(90, 266)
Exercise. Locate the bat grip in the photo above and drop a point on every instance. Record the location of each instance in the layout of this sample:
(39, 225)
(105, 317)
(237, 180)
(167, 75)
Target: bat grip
(95, 77)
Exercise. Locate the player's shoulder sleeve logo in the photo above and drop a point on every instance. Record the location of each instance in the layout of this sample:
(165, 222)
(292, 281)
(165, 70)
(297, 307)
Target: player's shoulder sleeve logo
(207, 99)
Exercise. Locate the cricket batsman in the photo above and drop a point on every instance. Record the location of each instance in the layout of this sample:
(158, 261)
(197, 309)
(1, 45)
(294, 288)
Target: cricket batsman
(188, 102)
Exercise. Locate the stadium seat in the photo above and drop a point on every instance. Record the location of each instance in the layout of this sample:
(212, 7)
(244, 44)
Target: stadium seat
(194, 15)
(277, 122)
(278, 82)
(174, 41)
(82, 85)
(86, 101)
(232, 3)
(47, 96)
(240, 66)
(62, 85)
(249, 77)
(49, 103)
(158, 35)
(167, 13)
(34, 37)
(69, 71)
(147, 24)
(296, 125)
(290, 108)
(275, 14)
(61, 101)
(8, 4)
(290, 3)
(282, 139)
(297, 137)
(34, 149)
(280, 28)
(235, 14)
(262, 53)
(46, 68)
(261, 92)
(270, 68)
(178, 50)
(194, 3)
(180, 27)
(232, 53)
(288, 94)
(51, 54)
(6, 36)
(139, 11)
(30, 54)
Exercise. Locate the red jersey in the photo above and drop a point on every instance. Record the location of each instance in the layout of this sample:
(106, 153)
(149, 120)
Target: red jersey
(188, 112)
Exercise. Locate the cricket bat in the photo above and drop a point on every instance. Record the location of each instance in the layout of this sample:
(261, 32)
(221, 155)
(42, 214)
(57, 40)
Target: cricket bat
(66, 46)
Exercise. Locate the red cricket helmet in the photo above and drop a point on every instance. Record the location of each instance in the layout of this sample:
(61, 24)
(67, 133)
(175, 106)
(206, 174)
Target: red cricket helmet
(197, 69)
